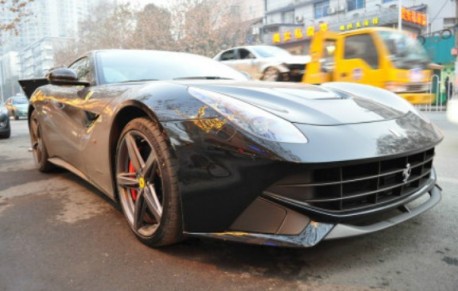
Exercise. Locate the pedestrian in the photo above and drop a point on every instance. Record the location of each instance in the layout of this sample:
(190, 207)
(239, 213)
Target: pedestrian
(448, 88)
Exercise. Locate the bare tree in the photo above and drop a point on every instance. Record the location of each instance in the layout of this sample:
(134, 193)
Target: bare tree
(13, 12)
(153, 29)
(197, 26)
(108, 27)
(210, 26)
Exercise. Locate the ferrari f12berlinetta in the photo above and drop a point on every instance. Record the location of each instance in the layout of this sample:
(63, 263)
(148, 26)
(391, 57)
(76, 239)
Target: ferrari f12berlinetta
(190, 147)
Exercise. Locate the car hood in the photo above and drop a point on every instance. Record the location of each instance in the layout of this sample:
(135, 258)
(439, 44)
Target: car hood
(307, 104)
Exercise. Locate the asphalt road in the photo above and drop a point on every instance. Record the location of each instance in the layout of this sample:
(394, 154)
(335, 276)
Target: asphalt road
(59, 233)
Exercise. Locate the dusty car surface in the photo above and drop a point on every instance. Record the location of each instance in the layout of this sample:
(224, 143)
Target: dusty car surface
(190, 148)
(17, 106)
(5, 129)
(263, 62)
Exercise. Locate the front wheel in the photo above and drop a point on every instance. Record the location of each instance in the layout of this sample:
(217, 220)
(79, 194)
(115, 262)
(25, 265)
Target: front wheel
(40, 153)
(5, 134)
(147, 184)
(271, 74)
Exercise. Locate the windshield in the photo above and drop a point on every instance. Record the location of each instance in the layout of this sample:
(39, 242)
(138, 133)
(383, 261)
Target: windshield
(133, 65)
(270, 51)
(20, 100)
(405, 52)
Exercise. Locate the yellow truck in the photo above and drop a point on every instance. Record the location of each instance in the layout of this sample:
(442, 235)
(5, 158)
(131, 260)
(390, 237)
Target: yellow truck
(381, 57)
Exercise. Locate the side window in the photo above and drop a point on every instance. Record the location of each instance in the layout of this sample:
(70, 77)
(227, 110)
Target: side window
(228, 56)
(363, 47)
(83, 70)
(245, 54)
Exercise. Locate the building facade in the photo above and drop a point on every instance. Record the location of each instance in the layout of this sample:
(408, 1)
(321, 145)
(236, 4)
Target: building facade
(47, 22)
(9, 72)
(38, 57)
(292, 23)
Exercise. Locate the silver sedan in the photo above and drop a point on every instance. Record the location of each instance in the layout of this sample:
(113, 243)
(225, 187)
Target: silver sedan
(263, 62)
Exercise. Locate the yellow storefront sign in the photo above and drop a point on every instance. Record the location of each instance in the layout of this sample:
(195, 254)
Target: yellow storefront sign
(413, 16)
(360, 24)
(298, 33)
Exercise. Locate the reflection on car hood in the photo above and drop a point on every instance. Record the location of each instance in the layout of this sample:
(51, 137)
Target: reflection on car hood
(307, 104)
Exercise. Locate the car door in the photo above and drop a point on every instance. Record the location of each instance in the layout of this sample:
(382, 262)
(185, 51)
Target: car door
(229, 58)
(323, 49)
(65, 116)
(360, 61)
(248, 63)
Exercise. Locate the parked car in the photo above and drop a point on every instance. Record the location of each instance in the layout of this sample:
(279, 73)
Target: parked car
(17, 106)
(5, 130)
(190, 148)
(263, 62)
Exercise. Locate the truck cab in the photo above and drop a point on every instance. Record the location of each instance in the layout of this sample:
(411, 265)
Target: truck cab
(380, 57)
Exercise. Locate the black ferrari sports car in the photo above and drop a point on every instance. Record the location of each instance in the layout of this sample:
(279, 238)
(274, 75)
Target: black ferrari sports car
(191, 148)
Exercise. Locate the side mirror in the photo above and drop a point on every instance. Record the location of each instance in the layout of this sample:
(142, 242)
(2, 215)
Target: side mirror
(64, 76)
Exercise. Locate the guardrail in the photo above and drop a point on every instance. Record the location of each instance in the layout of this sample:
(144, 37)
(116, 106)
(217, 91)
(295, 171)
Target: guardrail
(443, 91)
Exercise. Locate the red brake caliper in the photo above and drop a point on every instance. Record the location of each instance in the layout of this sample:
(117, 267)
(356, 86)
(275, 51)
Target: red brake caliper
(133, 192)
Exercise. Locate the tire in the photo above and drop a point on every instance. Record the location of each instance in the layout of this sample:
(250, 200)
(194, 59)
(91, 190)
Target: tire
(271, 74)
(6, 134)
(147, 184)
(40, 153)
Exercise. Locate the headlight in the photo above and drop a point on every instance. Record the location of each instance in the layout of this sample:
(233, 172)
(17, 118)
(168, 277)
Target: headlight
(251, 118)
(396, 87)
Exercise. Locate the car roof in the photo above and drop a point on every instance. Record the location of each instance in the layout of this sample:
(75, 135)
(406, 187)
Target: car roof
(250, 46)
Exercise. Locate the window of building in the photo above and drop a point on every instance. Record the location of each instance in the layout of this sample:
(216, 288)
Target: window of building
(321, 8)
(276, 4)
(288, 16)
(355, 4)
(449, 22)
(361, 47)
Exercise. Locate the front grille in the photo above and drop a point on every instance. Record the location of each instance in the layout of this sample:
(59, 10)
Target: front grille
(417, 87)
(296, 71)
(359, 186)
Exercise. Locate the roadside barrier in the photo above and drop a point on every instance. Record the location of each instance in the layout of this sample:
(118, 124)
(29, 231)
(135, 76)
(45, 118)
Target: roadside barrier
(443, 91)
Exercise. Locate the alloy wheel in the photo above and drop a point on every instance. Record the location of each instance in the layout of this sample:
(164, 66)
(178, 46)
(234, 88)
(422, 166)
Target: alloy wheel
(139, 183)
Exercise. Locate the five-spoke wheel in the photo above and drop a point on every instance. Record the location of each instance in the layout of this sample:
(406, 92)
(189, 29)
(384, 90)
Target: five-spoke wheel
(146, 183)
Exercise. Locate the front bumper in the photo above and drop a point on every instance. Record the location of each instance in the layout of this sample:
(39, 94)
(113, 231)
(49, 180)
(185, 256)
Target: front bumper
(21, 113)
(315, 232)
(418, 98)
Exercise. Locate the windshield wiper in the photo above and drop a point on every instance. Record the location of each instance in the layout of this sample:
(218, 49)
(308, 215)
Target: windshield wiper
(203, 78)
